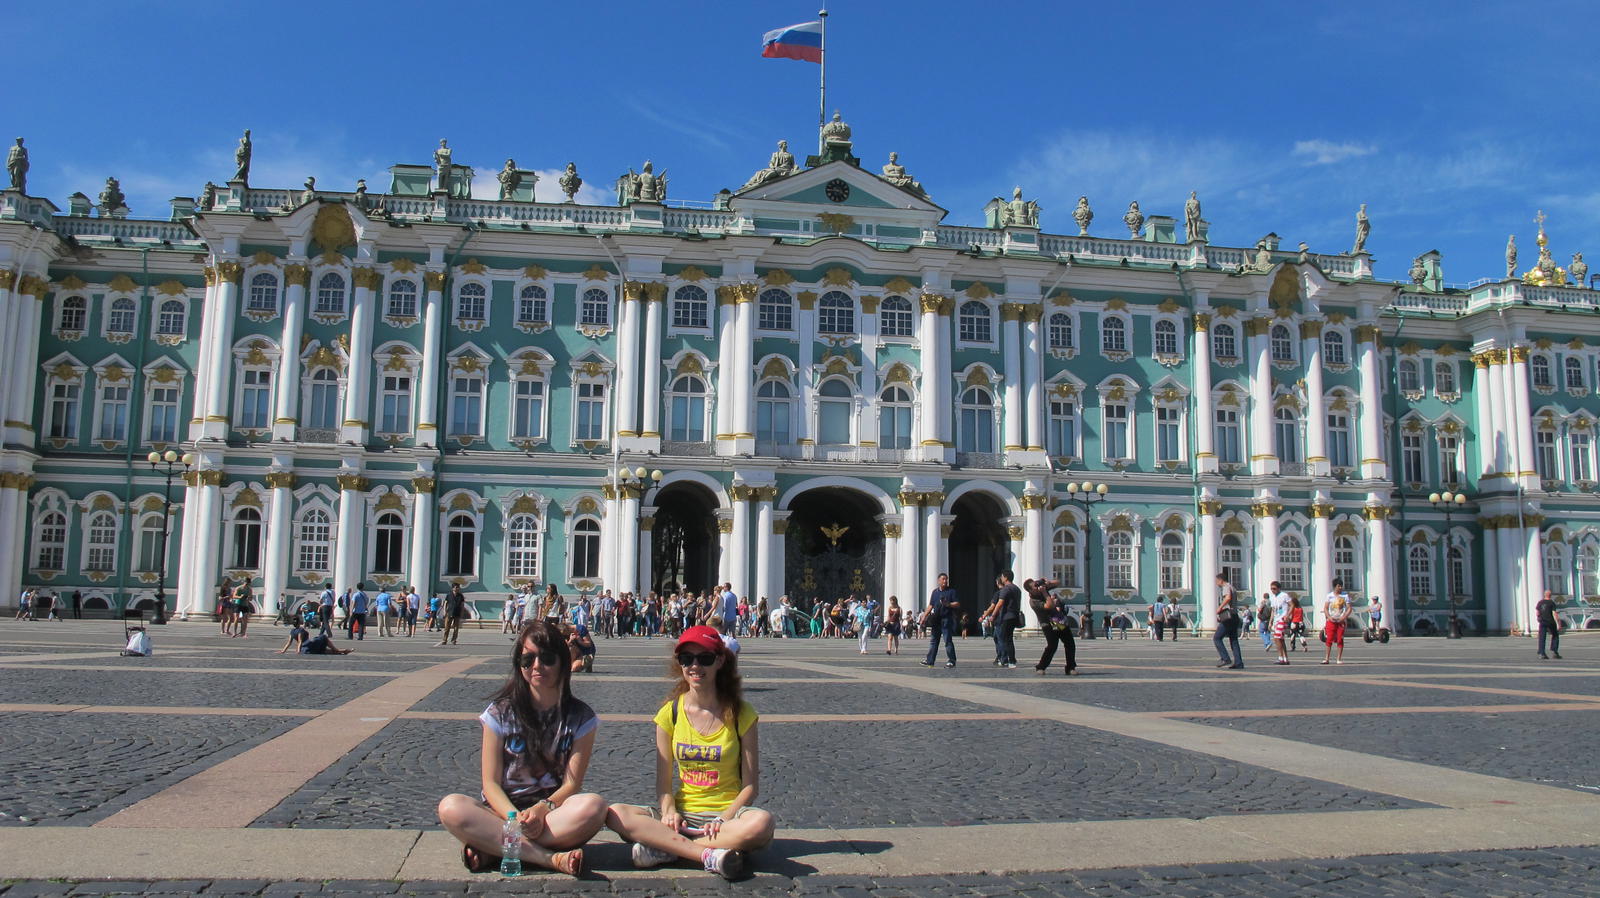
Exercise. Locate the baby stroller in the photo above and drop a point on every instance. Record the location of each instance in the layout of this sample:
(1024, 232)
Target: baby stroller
(136, 639)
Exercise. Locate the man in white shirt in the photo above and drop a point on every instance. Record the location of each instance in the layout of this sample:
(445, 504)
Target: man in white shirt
(1335, 610)
(1280, 621)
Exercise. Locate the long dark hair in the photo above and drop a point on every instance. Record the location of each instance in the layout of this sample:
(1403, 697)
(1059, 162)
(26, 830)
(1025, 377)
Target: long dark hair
(517, 697)
(728, 685)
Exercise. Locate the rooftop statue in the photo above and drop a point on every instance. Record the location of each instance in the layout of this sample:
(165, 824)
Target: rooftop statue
(1263, 259)
(17, 167)
(208, 196)
(836, 131)
(310, 191)
(1191, 217)
(1134, 219)
(1363, 228)
(111, 198)
(644, 187)
(895, 174)
(441, 167)
(570, 182)
(723, 200)
(781, 164)
(1018, 213)
(510, 179)
(1083, 215)
(1579, 269)
(362, 202)
(1511, 256)
(241, 159)
(1418, 272)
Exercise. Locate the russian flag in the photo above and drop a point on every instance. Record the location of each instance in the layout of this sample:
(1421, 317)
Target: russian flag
(803, 42)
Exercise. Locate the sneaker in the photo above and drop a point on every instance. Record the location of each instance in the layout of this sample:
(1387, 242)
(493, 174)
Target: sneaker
(438, 644)
(925, 663)
(1009, 666)
(1556, 655)
(1544, 656)
(729, 863)
(1224, 663)
(948, 664)
(645, 857)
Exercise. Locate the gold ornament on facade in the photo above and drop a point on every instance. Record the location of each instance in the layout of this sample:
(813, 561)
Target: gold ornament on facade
(1377, 512)
(1064, 390)
(1116, 304)
(1062, 298)
(325, 357)
(745, 292)
(835, 222)
(352, 482)
(724, 525)
(423, 484)
(247, 498)
(8, 278)
(212, 477)
(209, 273)
(1010, 311)
(891, 531)
(1310, 330)
(596, 273)
(390, 500)
(113, 373)
(692, 273)
(473, 266)
(1211, 507)
(1033, 501)
(403, 265)
(433, 280)
(297, 275)
(632, 291)
(838, 277)
(655, 291)
(1266, 509)
(333, 259)
(278, 480)
(777, 277)
(332, 229)
(71, 282)
(257, 354)
(367, 278)
(64, 371)
(780, 526)
(230, 271)
(1032, 313)
(807, 300)
(899, 285)
(1015, 532)
(932, 302)
(1367, 333)
(1321, 509)
(468, 363)
(978, 290)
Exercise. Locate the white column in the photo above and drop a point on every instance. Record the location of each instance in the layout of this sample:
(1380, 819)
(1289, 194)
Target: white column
(739, 564)
(766, 584)
(627, 403)
(1372, 464)
(208, 526)
(1263, 458)
(777, 543)
(627, 536)
(744, 410)
(1380, 563)
(286, 415)
(891, 557)
(1316, 413)
(943, 376)
(347, 552)
(1036, 545)
(1205, 562)
(428, 377)
(727, 353)
(1532, 576)
(218, 359)
(1266, 542)
(1011, 357)
(652, 364)
(424, 523)
(725, 544)
(1495, 615)
(869, 431)
(1321, 559)
(278, 542)
(804, 361)
(1033, 374)
(932, 544)
(202, 364)
(1483, 431)
(1499, 437)
(910, 575)
(15, 337)
(1019, 554)
(358, 387)
(13, 523)
(186, 532)
(1522, 421)
(608, 538)
(645, 530)
(933, 375)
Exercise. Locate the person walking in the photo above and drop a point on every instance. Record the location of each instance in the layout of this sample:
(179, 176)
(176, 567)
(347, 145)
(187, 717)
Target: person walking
(360, 605)
(1335, 611)
(891, 627)
(325, 610)
(1281, 602)
(1549, 626)
(861, 617)
(508, 614)
(383, 606)
(1228, 623)
(1057, 625)
(1174, 616)
(77, 604)
(940, 619)
(455, 607)
(1157, 613)
(1264, 621)
(1008, 617)
(413, 606)
(243, 607)
(1297, 624)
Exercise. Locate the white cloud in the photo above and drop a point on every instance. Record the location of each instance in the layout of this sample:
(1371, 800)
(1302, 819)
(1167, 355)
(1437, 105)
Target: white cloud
(1326, 152)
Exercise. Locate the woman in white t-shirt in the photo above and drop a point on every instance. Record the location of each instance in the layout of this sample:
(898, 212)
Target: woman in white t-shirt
(1335, 611)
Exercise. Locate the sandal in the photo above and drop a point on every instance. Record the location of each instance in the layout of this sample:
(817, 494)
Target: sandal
(568, 862)
(477, 861)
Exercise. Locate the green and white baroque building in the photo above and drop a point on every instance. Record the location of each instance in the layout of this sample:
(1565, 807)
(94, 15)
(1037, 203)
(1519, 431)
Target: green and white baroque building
(840, 392)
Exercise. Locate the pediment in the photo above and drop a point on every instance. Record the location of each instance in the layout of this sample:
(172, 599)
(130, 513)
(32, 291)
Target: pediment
(867, 192)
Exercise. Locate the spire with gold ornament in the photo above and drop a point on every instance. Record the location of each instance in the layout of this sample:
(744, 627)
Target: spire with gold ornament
(1545, 272)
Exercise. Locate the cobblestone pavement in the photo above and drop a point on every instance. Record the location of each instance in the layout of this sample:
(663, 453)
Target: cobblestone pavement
(1545, 873)
(145, 687)
(635, 697)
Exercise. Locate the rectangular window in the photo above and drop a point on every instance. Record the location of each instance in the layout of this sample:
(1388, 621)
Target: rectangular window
(396, 404)
(255, 400)
(1116, 431)
(164, 415)
(1229, 451)
(591, 412)
(1449, 459)
(114, 412)
(1339, 440)
(1344, 562)
(1063, 428)
(894, 427)
(527, 419)
(1168, 447)
(1582, 455)
(1544, 454)
(1171, 565)
(466, 406)
(64, 411)
(1411, 457)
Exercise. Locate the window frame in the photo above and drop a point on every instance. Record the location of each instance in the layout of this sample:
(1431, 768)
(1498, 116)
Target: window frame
(894, 321)
(836, 314)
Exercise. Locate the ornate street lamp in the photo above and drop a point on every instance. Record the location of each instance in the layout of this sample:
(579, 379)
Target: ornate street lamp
(1085, 495)
(1449, 502)
(637, 480)
(168, 458)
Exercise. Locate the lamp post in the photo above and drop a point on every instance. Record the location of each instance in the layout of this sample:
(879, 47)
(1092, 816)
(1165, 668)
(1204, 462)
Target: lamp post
(1448, 502)
(637, 480)
(1085, 495)
(168, 458)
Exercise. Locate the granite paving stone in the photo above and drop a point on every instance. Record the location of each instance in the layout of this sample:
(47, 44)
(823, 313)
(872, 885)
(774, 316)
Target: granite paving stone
(634, 697)
(163, 688)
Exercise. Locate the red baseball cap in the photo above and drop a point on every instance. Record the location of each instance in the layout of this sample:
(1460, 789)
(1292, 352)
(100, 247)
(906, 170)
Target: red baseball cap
(702, 637)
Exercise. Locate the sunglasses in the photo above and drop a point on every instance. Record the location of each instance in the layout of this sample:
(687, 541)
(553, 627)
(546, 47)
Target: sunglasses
(547, 657)
(704, 659)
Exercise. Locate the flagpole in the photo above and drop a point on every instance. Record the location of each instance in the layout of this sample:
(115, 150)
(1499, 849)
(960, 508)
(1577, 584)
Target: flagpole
(822, 106)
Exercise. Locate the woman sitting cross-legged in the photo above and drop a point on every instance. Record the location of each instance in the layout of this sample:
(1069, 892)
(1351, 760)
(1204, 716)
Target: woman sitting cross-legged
(537, 741)
(708, 729)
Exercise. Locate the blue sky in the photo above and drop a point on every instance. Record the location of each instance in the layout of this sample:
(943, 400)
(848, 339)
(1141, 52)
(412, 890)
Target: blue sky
(1455, 122)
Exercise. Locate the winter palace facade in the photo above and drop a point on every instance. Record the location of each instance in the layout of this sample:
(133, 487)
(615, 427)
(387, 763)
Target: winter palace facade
(839, 392)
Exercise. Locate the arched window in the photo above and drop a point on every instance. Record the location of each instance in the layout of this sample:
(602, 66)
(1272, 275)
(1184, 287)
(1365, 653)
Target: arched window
(1061, 331)
(263, 293)
(315, 542)
(1444, 377)
(324, 400)
(772, 412)
(1172, 576)
(835, 402)
(1166, 338)
(895, 318)
(1113, 335)
(1555, 568)
(894, 418)
(1232, 558)
(246, 538)
(330, 294)
(461, 547)
(689, 308)
(1419, 566)
(101, 546)
(1286, 435)
(775, 310)
(472, 302)
(403, 298)
(1410, 377)
(1333, 348)
(1224, 342)
(150, 532)
(977, 421)
(1119, 560)
(120, 321)
(975, 323)
(1539, 366)
(169, 320)
(596, 308)
(686, 410)
(836, 313)
(388, 544)
(532, 305)
(586, 549)
(1064, 560)
(1574, 369)
(522, 547)
(52, 542)
(74, 313)
(1344, 562)
(1291, 563)
(1282, 343)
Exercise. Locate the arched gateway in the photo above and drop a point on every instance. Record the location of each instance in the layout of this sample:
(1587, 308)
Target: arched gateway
(833, 545)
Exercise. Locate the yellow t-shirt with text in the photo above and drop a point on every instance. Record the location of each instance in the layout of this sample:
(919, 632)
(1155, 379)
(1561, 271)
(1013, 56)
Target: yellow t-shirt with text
(709, 778)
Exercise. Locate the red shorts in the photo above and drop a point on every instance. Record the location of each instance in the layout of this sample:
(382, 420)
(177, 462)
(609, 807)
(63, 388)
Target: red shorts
(1335, 632)
(1278, 626)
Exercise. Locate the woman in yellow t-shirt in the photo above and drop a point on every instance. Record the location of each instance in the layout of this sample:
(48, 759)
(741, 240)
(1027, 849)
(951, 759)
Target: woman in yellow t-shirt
(708, 729)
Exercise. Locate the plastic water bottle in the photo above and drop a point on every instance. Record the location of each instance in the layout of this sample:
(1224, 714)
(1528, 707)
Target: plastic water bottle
(511, 846)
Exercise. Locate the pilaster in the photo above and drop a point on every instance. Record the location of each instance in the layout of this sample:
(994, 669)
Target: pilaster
(1317, 463)
(428, 377)
(358, 384)
(296, 279)
(424, 523)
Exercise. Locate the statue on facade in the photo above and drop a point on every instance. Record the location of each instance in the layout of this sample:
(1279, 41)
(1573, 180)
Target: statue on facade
(1018, 213)
(111, 198)
(1191, 217)
(1263, 259)
(17, 167)
(1305, 253)
(1511, 256)
(1083, 215)
(644, 186)
(208, 197)
(895, 174)
(1418, 272)
(780, 164)
(310, 192)
(1363, 228)
(1134, 219)
(241, 159)
(1579, 270)
(362, 202)
(723, 201)
(510, 179)
(441, 167)
(836, 131)
(570, 182)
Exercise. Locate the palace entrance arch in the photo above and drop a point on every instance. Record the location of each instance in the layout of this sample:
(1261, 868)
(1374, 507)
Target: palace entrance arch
(833, 546)
(978, 550)
(683, 541)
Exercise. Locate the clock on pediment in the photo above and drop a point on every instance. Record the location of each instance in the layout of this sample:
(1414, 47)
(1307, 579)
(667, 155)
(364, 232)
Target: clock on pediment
(836, 190)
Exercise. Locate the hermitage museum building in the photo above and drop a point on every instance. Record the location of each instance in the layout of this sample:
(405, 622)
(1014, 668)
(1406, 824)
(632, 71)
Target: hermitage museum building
(808, 386)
